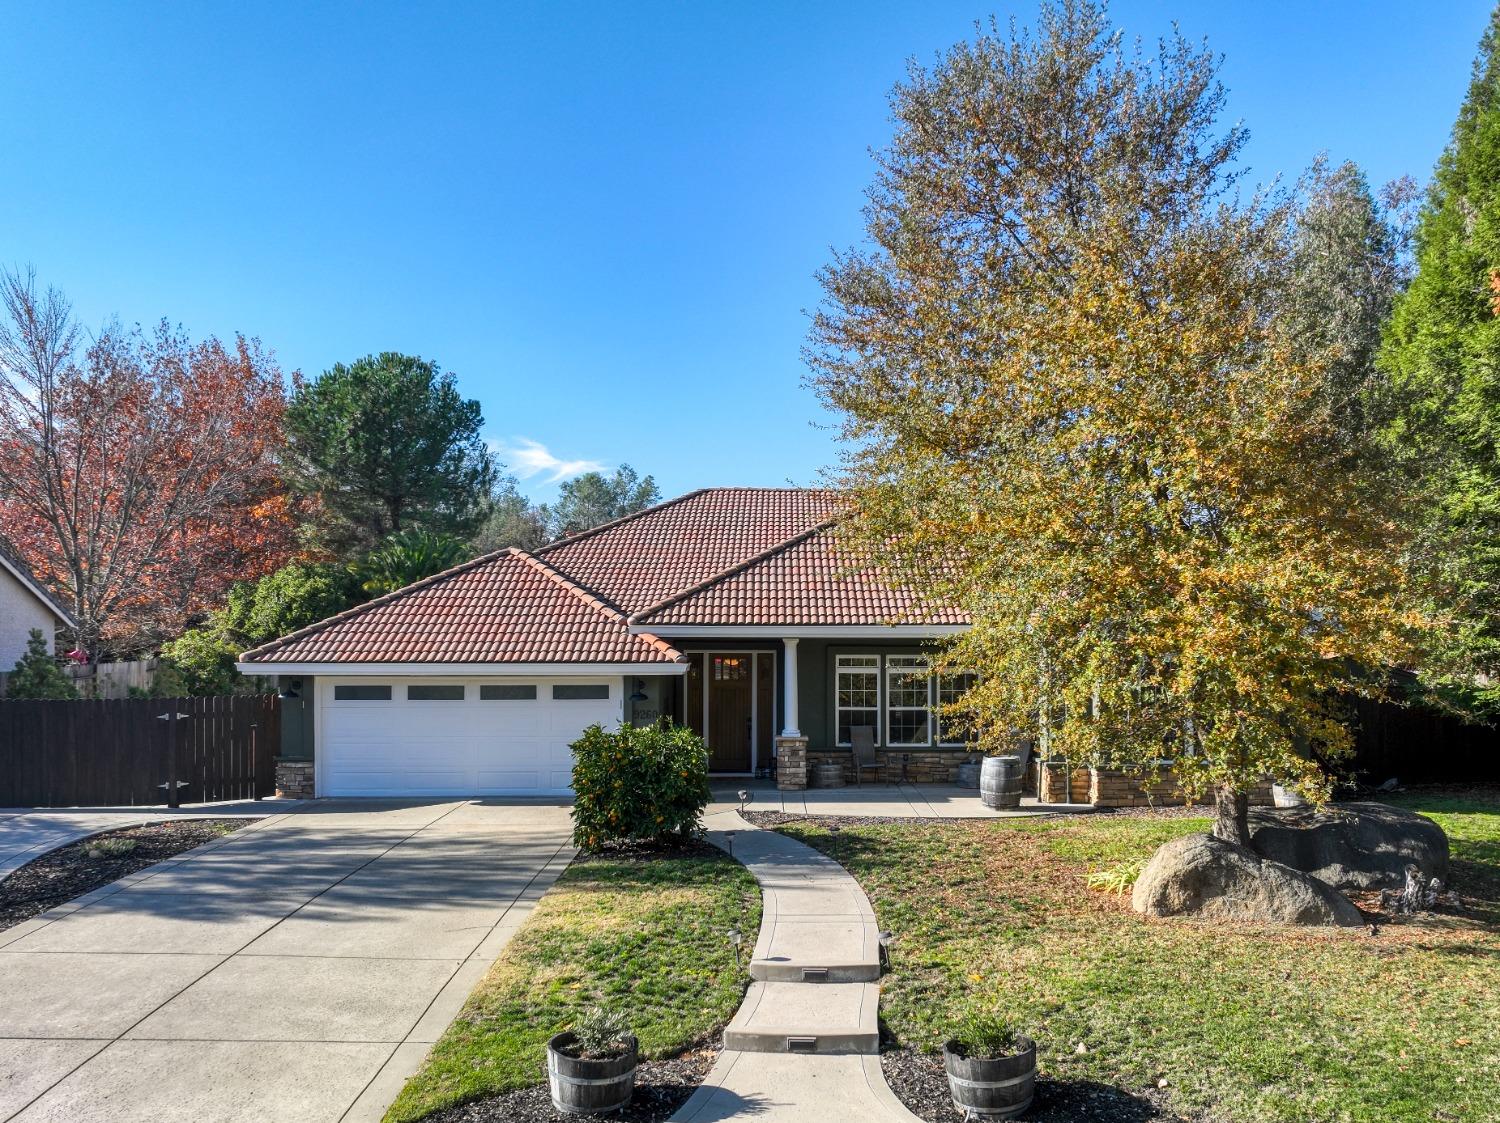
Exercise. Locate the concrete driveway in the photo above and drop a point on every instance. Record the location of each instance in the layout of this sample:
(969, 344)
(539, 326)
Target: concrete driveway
(296, 970)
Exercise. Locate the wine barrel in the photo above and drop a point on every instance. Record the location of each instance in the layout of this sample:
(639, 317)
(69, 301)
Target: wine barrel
(1000, 782)
(968, 774)
(991, 1088)
(828, 775)
(588, 1087)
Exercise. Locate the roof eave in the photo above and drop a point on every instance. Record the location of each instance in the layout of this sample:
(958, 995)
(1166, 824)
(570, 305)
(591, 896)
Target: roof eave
(450, 670)
(803, 631)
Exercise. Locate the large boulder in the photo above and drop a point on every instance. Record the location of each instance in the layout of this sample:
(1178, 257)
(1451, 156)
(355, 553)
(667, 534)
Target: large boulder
(1202, 876)
(1351, 845)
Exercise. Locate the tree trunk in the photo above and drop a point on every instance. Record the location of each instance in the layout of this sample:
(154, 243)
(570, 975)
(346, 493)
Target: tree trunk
(1232, 816)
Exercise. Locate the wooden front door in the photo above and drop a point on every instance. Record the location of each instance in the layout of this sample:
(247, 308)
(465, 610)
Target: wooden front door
(730, 711)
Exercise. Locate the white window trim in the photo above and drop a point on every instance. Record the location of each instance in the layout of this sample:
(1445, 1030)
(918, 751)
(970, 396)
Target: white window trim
(878, 670)
(882, 709)
(927, 675)
(937, 717)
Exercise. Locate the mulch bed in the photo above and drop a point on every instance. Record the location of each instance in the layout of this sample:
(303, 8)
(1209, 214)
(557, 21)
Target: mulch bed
(661, 1087)
(920, 1083)
(67, 872)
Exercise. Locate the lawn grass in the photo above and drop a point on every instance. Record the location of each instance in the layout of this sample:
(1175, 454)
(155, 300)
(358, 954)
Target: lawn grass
(647, 936)
(1244, 1025)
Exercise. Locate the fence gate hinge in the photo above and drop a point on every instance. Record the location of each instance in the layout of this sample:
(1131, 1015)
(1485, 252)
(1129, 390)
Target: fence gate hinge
(168, 717)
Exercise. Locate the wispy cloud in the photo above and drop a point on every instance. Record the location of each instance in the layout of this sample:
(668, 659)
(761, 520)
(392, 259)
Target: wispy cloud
(528, 458)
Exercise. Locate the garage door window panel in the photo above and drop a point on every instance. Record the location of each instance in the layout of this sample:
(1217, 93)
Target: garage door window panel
(580, 692)
(508, 692)
(361, 692)
(434, 693)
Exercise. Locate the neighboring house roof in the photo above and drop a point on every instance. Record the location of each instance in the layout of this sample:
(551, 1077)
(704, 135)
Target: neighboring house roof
(21, 573)
(731, 556)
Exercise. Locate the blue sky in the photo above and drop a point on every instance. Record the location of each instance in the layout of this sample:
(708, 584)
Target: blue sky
(605, 218)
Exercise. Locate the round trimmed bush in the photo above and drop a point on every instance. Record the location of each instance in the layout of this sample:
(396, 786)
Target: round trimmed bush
(644, 785)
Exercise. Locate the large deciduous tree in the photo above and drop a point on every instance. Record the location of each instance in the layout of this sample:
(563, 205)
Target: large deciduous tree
(385, 444)
(1443, 352)
(1065, 367)
(138, 474)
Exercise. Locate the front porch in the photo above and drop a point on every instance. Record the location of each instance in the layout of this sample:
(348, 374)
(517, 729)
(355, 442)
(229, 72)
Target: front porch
(878, 801)
(774, 707)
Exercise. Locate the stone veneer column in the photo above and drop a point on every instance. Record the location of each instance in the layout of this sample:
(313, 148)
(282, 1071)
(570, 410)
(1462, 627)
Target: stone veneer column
(791, 763)
(295, 779)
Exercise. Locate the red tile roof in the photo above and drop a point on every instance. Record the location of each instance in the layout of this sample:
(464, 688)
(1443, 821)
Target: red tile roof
(643, 559)
(808, 581)
(504, 608)
(730, 556)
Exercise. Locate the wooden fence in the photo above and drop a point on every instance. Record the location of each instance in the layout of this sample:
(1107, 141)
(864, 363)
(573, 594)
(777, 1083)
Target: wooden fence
(1418, 745)
(104, 680)
(137, 751)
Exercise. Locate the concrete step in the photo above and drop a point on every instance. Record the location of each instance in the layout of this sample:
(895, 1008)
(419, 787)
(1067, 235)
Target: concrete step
(816, 932)
(833, 950)
(794, 1017)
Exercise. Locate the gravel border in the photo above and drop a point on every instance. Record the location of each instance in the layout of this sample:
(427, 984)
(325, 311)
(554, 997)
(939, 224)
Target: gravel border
(919, 1082)
(661, 1087)
(59, 875)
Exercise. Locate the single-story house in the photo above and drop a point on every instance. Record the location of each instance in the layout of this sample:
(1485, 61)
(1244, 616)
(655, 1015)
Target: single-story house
(25, 604)
(730, 610)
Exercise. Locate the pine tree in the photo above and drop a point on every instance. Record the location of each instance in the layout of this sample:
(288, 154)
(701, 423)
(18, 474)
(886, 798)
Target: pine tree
(1442, 349)
(37, 674)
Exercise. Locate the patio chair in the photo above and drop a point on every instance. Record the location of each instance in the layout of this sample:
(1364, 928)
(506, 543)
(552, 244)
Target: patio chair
(862, 737)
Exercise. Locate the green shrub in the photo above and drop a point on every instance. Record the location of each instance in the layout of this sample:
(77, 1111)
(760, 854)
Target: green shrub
(982, 1033)
(199, 662)
(38, 675)
(1118, 877)
(601, 1033)
(111, 847)
(634, 784)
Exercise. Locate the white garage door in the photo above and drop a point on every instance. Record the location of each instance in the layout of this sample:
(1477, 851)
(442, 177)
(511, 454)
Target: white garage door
(471, 736)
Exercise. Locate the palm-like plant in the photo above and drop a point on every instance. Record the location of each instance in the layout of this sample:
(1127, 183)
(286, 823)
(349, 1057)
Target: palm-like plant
(408, 556)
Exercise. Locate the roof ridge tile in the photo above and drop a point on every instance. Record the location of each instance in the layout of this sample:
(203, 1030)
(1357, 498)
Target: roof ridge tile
(594, 601)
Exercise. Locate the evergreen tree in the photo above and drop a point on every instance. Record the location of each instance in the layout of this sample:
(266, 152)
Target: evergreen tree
(37, 674)
(595, 498)
(387, 444)
(1442, 349)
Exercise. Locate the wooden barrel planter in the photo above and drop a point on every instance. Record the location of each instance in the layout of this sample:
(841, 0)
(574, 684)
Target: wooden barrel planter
(1000, 782)
(589, 1087)
(968, 774)
(991, 1087)
(827, 775)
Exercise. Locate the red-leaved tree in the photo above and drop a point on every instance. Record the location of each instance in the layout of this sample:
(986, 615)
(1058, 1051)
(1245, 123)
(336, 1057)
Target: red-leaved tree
(139, 474)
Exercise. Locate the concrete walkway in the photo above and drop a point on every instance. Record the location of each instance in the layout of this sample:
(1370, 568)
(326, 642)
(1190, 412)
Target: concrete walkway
(805, 1043)
(881, 801)
(297, 970)
(27, 833)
